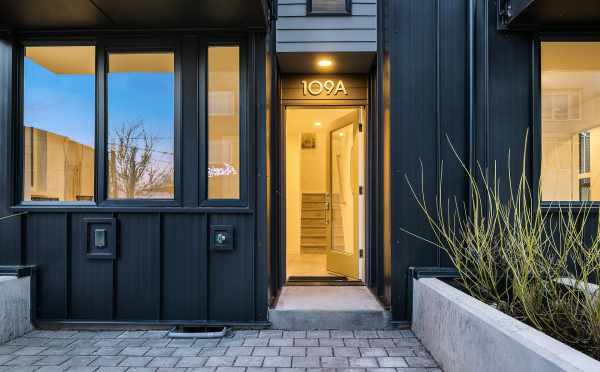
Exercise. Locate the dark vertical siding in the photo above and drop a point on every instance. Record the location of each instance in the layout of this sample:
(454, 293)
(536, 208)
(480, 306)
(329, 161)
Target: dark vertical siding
(138, 267)
(91, 281)
(231, 273)
(10, 237)
(430, 89)
(47, 246)
(184, 267)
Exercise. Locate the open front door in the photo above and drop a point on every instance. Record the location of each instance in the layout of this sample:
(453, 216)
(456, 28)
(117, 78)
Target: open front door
(343, 250)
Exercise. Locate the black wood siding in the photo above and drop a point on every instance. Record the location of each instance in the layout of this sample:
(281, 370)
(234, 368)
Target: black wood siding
(164, 271)
(430, 82)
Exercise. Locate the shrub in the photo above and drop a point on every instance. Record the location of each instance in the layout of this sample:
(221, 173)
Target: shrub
(535, 264)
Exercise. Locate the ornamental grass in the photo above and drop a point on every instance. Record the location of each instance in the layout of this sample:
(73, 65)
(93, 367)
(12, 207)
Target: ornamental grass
(536, 264)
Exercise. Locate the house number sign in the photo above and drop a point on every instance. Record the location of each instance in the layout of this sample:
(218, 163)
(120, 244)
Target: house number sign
(318, 87)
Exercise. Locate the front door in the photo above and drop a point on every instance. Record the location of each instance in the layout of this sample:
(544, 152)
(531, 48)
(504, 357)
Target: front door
(343, 250)
(323, 171)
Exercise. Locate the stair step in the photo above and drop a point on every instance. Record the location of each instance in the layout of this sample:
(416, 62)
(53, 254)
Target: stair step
(328, 307)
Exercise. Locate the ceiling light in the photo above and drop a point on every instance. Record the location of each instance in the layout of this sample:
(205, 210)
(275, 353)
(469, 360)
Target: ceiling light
(341, 134)
(317, 124)
(325, 63)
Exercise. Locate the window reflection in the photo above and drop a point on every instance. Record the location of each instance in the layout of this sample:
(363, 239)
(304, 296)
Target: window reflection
(141, 125)
(223, 122)
(59, 123)
(570, 121)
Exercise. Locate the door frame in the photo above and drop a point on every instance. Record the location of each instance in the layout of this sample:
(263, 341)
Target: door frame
(362, 107)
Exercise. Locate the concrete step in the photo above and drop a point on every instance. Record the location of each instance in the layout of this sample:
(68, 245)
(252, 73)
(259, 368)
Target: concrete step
(328, 307)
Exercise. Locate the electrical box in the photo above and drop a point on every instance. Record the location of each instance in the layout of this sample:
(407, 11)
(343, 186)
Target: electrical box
(100, 238)
(222, 238)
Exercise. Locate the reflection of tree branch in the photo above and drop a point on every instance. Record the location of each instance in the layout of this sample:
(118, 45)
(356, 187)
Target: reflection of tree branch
(135, 170)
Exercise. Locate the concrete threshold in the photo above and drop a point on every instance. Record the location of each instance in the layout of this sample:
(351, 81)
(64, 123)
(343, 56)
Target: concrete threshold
(328, 307)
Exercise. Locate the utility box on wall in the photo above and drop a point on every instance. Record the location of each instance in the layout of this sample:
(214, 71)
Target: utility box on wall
(100, 238)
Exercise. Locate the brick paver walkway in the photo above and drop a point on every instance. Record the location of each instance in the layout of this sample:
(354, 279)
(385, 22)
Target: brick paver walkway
(245, 351)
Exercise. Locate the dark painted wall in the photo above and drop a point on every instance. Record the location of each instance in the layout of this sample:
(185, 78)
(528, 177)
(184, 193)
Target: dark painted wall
(164, 270)
(431, 86)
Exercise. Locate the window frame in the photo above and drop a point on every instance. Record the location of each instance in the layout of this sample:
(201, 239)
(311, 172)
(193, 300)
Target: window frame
(19, 62)
(538, 39)
(310, 13)
(103, 46)
(246, 156)
(132, 46)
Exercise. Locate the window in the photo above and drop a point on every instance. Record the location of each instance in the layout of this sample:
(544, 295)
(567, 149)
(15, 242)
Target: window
(59, 123)
(141, 123)
(329, 7)
(570, 121)
(224, 122)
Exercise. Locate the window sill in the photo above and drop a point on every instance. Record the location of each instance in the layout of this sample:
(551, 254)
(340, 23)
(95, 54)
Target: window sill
(120, 208)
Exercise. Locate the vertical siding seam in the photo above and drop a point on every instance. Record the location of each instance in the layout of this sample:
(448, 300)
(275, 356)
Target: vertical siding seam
(438, 128)
(160, 266)
(114, 275)
(68, 248)
(486, 106)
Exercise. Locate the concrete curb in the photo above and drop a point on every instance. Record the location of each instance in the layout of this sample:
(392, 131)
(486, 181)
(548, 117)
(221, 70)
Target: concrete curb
(15, 307)
(466, 335)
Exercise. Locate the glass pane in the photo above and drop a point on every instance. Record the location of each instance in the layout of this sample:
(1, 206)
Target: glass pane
(570, 121)
(224, 122)
(343, 199)
(141, 125)
(59, 123)
(329, 6)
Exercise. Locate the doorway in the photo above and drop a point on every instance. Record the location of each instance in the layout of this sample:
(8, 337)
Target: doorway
(324, 193)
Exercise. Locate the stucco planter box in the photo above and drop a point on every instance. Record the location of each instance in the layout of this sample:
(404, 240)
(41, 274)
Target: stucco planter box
(466, 335)
(15, 305)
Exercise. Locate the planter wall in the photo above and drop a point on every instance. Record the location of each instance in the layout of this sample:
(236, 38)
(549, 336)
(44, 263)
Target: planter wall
(15, 305)
(466, 335)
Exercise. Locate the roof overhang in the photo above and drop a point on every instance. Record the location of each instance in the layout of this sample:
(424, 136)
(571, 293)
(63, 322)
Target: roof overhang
(549, 14)
(105, 14)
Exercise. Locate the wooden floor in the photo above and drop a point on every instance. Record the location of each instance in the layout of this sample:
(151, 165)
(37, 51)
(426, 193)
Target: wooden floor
(307, 264)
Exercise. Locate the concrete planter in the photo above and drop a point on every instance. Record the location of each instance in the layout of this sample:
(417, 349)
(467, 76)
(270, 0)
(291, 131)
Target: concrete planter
(466, 335)
(15, 305)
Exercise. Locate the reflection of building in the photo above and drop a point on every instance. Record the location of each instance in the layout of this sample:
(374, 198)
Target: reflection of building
(56, 168)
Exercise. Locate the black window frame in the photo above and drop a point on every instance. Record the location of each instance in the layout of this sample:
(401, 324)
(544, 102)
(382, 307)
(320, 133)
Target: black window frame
(132, 46)
(310, 12)
(19, 91)
(103, 46)
(573, 36)
(245, 141)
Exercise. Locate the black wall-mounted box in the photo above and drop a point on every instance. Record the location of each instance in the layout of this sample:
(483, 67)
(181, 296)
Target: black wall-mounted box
(222, 238)
(100, 238)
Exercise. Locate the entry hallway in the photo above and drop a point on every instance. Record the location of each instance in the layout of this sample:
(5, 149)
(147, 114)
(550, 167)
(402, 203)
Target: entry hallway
(245, 351)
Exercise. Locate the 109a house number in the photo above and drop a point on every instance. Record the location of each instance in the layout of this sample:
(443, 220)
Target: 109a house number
(329, 87)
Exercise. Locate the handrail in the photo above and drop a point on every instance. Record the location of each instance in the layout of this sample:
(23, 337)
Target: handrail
(12, 215)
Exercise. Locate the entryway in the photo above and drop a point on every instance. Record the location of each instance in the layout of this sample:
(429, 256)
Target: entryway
(325, 201)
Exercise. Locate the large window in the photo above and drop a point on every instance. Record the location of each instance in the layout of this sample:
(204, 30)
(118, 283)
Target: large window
(58, 123)
(140, 149)
(570, 121)
(223, 122)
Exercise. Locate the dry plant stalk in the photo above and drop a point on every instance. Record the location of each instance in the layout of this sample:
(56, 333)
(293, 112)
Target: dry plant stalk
(535, 264)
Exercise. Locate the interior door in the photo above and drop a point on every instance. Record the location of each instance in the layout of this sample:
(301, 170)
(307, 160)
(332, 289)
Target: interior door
(342, 253)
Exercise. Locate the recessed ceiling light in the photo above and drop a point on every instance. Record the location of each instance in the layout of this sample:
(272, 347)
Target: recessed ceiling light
(317, 124)
(341, 134)
(325, 63)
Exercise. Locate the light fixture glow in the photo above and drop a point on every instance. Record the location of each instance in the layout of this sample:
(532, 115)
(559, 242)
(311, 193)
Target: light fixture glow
(341, 134)
(325, 63)
(317, 124)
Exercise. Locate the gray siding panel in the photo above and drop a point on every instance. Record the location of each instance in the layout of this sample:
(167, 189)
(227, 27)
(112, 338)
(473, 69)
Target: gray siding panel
(297, 32)
(299, 10)
(326, 47)
(286, 36)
